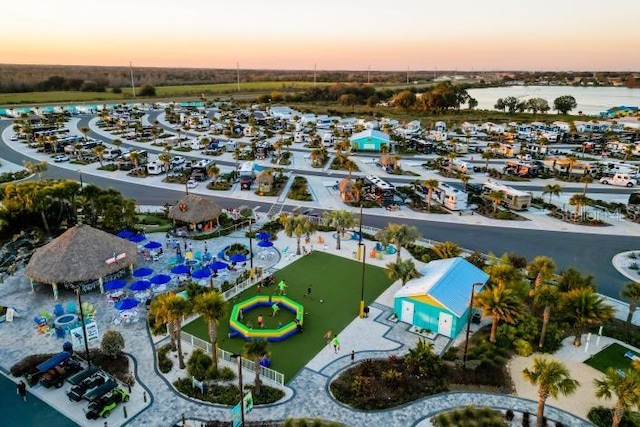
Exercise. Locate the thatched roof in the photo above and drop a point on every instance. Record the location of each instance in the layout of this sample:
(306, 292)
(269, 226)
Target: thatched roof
(345, 185)
(265, 177)
(194, 209)
(78, 255)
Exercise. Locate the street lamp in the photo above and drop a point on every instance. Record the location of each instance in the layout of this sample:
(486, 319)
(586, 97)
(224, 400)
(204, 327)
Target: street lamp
(362, 248)
(250, 250)
(239, 358)
(81, 183)
(466, 342)
(84, 327)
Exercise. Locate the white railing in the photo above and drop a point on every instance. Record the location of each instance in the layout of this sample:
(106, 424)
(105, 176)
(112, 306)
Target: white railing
(270, 374)
(240, 287)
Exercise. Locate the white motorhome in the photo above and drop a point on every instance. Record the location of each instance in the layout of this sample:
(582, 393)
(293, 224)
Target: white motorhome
(155, 168)
(513, 199)
(461, 166)
(451, 197)
(327, 139)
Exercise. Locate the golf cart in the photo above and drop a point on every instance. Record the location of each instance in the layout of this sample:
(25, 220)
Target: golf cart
(103, 406)
(78, 391)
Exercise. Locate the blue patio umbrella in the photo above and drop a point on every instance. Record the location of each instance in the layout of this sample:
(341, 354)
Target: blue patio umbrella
(265, 244)
(137, 238)
(218, 265)
(263, 236)
(142, 272)
(203, 273)
(180, 269)
(238, 258)
(160, 279)
(153, 245)
(114, 285)
(125, 234)
(126, 304)
(140, 285)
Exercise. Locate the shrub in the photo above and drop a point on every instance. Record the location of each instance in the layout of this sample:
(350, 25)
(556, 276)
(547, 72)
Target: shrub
(198, 365)
(523, 348)
(164, 363)
(112, 343)
(28, 364)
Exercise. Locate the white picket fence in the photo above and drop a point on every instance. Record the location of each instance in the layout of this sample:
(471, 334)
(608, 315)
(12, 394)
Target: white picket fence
(249, 365)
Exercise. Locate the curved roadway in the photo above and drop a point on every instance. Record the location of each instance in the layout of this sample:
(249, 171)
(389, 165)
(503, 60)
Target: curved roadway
(589, 253)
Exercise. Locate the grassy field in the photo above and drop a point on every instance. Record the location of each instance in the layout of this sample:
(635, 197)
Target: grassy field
(338, 287)
(161, 92)
(610, 357)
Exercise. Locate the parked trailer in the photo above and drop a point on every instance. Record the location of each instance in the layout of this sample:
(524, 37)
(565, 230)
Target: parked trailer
(451, 197)
(513, 198)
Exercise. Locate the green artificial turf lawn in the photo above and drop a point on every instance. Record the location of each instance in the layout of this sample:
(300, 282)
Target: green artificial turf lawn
(610, 357)
(335, 280)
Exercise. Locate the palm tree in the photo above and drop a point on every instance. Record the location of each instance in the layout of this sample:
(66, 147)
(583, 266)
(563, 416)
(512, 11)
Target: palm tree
(546, 296)
(340, 220)
(552, 190)
(499, 303)
(431, 185)
(464, 178)
(117, 142)
(297, 225)
(542, 268)
(553, 379)
(213, 171)
(212, 306)
(631, 291)
(165, 158)
(487, 155)
(625, 386)
(134, 156)
(98, 151)
(399, 234)
(583, 307)
(446, 249)
(628, 151)
(586, 180)
(36, 168)
(404, 270)
(578, 200)
(254, 350)
(571, 162)
(171, 308)
(84, 131)
(496, 197)
(451, 157)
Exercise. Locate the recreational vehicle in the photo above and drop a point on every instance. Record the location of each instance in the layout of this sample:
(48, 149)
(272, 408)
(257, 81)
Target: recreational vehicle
(247, 175)
(378, 189)
(513, 199)
(522, 168)
(451, 197)
(155, 168)
(461, 166)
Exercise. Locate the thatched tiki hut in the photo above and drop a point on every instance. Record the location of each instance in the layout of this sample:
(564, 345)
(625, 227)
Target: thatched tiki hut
(264, 180)
(198, 213)
(79, 256)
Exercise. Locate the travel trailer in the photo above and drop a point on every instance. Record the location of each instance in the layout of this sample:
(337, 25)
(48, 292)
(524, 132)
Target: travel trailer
(378, 189)
(155, 168)
(513, 199)
(450, 196)
(247, 175)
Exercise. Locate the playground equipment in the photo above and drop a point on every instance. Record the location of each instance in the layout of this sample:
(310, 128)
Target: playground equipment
(238, 328)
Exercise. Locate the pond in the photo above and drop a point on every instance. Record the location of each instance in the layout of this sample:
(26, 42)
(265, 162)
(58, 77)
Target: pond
(591, 100)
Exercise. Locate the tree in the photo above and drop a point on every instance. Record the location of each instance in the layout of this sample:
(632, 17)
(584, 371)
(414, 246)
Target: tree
(626, 388)
(431, 185)
(404, 99)
(500, 105)
(165, 158)
(212, 306)
(572, 161)
(399, 234)
(542, 268)
(631, 292)
(472, 103)
(499, 303)
(564, 104)
(546, 296)
(552, 190)
(584, 307)
(511, 104)
(404, 271)
(84, 131)
(36, 168)
(147, 90)
(487, 155)
(586, 180)
(496, 197)
(254, 350)
(98, 151)
(340, 220)
(297, 225)
(553, 379)
(213, 171)
(170, 308)
(112, 343)
(578, 200)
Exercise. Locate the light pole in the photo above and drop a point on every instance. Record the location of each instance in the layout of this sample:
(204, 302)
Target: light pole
(239, 358)
(466, 342)
(81, 183)
(363, 251)
(84, 327)
(250, 250)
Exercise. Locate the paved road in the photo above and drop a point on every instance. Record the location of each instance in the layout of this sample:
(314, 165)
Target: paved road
(590, 253)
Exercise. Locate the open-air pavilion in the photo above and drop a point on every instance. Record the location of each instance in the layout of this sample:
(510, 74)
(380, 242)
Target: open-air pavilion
(196, 212)
(83, 257)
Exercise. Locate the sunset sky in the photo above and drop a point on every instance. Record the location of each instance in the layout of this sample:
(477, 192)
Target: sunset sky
(333, 34)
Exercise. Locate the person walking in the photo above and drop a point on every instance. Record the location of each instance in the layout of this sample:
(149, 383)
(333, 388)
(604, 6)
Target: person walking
(308, 294)
(282, 286)
(275, 309)
(21, 390)
(260, 321)
(353, 356)
(336, 344)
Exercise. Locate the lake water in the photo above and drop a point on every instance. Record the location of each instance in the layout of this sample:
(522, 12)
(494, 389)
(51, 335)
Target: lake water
(591, 100)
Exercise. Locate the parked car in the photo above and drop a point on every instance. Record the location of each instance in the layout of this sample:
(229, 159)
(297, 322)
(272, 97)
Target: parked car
(104, 406)
(192, 183)
(621, 179)
(61, 158)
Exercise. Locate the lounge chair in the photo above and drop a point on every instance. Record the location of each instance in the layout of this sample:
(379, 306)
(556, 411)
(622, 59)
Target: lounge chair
(71, 307)
(58, 310)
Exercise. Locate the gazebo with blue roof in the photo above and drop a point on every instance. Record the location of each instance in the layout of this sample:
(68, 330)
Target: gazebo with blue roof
(439, 300)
